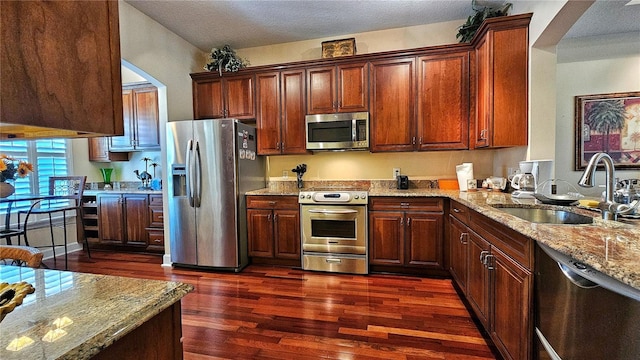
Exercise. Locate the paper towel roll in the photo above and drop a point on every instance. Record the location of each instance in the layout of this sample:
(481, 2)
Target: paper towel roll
(464, 172)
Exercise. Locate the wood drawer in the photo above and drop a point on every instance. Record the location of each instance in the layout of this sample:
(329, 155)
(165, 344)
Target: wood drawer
(510, 242)
(406, 204)
(156, 215)
(272, 202)
(459, 211)
(155, 200)
(156, 239)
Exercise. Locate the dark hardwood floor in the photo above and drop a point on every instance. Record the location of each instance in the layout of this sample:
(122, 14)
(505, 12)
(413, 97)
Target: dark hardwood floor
(280, 313)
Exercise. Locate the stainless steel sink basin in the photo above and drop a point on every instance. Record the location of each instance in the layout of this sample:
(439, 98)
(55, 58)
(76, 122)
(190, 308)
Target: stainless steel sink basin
(547, 216)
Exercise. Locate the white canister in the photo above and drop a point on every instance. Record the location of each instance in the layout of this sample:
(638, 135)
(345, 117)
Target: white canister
(464, 172)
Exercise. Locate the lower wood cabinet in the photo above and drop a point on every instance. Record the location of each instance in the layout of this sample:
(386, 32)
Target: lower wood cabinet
(273, 229)
(123, 219)
(492, 265)
(155, 230)
(406, 235)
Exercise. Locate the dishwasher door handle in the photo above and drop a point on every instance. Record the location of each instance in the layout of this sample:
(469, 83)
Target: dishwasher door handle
(575, 278)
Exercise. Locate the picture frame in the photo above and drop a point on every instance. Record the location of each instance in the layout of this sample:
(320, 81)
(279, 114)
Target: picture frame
(337, 48)
(608, 123)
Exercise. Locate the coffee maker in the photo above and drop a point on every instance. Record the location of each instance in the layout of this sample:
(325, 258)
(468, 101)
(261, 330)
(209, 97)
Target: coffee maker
(531, 174)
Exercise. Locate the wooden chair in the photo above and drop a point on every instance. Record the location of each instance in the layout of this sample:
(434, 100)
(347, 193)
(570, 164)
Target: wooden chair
(20, 255)
(69, 188)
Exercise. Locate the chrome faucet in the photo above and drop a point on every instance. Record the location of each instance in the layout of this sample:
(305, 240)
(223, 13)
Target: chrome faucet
(609, 207)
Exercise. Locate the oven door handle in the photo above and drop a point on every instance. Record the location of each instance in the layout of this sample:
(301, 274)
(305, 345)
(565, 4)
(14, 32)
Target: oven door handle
(324, 211)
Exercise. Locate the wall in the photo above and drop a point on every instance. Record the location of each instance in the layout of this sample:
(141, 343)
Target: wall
(586, 77)
(367, 42)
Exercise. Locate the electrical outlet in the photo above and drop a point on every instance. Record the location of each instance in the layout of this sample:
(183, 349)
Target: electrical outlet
(285, 174)
(396, 172)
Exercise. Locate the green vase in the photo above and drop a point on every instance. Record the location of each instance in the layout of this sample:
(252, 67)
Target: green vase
(106, 175)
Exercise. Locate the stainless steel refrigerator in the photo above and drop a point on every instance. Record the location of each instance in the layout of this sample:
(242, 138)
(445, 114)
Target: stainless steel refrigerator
(212, 164)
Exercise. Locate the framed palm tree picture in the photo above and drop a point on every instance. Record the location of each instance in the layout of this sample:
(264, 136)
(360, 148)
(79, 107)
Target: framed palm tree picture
(608, 123)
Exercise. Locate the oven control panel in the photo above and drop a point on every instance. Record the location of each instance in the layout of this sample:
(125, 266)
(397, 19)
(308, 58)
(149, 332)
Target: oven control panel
(333, 197)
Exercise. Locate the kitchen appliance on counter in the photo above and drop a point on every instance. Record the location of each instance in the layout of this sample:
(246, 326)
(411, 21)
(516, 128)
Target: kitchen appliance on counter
(334, 231)
(581, 313)
(213, 163)
(344, 131)
(531, 174)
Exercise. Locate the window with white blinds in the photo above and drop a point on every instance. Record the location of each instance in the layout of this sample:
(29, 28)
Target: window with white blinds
(50, 157)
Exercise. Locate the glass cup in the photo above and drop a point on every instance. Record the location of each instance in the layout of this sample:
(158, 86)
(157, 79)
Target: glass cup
(116, 185)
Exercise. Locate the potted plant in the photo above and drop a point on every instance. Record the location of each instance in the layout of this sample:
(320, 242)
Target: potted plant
(225, 58)
(467, 30)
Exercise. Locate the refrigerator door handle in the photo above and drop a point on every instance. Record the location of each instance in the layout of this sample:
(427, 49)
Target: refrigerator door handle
(198, 177)
(189, 172)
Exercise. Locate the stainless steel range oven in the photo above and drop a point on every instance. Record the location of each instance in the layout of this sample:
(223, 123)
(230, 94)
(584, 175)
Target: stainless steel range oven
(334, 231)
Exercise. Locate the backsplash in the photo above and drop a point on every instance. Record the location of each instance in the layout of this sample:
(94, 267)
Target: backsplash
(288, 186)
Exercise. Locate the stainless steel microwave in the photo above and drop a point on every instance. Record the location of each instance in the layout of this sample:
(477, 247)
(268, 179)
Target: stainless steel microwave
(344, 131)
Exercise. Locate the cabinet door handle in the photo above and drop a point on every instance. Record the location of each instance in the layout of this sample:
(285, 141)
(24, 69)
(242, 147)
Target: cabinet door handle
(282, 145)
(408, 221)
(413, 140)
(269, 217)
(489, 262)
(463, 238)
(420, 140)
(401, 221)
(483, 255)
(275, 218)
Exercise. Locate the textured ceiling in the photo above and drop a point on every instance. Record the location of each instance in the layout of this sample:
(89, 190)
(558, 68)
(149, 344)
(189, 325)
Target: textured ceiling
(249, 23)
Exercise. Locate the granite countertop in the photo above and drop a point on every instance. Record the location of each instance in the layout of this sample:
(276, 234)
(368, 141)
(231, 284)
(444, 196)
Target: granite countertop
(96, 310)
(610, 247)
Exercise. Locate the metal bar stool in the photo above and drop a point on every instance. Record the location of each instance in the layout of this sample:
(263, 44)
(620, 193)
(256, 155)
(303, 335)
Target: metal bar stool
(69, 188)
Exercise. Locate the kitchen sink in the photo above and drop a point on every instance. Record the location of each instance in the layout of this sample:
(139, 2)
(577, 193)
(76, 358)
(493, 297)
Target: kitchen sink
(547, 216)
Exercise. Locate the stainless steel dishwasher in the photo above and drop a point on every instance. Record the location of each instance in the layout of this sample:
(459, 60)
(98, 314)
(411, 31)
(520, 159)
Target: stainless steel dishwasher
(581, 313)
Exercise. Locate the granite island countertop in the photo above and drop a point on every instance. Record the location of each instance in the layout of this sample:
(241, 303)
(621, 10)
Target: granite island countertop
(610, 247)
(88, 312)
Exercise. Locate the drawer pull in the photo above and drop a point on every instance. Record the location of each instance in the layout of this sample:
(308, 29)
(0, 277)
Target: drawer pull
(456, 210)
(333, 261)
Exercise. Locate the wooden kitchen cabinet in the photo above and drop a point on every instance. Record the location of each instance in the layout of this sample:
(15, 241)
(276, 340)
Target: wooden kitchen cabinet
(392, 104)
(337, 88)
(123, 219)
(141, 122)
(227, 96)
(141, 126)
(155, 230)
(443, 102)
(458, 247)
(497, 262)
(99, 151)
(50, 90)
(273, 224)
(280, 121)
(406, 235)
(501, 52)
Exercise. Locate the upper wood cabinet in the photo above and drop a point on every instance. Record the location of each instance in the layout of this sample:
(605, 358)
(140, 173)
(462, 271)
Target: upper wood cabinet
(280, 103)
(337, 88)
(67, 83)
(229, 96)
(392, 104)
(99, 151)
(438, 90)
(501, 52)
(141, 122)
(443, 102)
